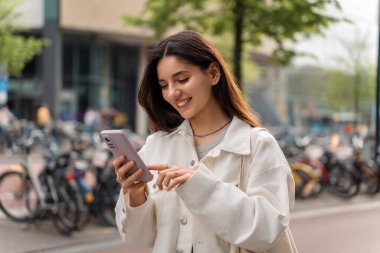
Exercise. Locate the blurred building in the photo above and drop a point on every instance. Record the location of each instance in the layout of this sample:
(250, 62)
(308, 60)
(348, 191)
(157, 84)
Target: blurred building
(269, 96)
(307, 106)
(93, 60)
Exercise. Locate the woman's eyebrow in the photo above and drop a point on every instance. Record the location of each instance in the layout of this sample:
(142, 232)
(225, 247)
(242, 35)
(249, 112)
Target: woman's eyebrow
(180, 72)
(175, 74)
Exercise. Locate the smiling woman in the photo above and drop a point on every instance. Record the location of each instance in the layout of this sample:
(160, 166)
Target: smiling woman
(213, 162)
(188, 88)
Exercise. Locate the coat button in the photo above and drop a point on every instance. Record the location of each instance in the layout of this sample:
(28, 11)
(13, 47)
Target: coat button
(183, 221)
(179, 251)
(192, 162)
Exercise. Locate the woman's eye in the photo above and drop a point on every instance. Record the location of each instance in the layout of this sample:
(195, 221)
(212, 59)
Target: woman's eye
(184, 80)
(163, 86)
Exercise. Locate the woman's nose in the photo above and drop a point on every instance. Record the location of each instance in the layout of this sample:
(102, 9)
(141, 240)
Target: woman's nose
(174, 93)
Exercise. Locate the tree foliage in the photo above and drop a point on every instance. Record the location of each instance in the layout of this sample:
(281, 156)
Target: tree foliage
(341, 91)
(248, 21)
(15, 50)
(353, 87)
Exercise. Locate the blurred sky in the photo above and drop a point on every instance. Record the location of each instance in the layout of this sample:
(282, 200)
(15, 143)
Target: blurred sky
(365, 15)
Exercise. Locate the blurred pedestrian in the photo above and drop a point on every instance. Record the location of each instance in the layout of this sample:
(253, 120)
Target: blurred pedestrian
(44, 119)
(223, 184)
(120, 119)
(8, 122)
(10, 128)
(334, 142)
(92, 120)
(108, 115)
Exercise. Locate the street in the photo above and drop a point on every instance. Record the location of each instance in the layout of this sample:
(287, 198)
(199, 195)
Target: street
(327, 225)
(348, 228)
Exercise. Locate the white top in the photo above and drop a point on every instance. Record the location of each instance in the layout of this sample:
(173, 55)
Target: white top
(209, 211)
(204, 149)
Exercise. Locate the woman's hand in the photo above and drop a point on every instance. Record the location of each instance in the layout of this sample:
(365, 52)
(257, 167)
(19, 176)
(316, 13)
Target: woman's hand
(171, 175)
(135, 189)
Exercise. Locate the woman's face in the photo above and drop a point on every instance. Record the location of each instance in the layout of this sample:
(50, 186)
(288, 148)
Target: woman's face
(186, 87)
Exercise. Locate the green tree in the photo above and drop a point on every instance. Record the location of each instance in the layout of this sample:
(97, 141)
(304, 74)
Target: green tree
(337, 90)
(353, 86)
(342, 92)
(15, 49)
(247, 20)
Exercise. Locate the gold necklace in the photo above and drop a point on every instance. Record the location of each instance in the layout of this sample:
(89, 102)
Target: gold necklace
(213, 132)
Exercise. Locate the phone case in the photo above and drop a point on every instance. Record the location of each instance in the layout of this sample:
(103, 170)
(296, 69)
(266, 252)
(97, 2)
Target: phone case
(118, 143)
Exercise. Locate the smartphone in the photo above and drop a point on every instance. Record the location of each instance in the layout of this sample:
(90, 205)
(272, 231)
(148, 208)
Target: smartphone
(117, 141)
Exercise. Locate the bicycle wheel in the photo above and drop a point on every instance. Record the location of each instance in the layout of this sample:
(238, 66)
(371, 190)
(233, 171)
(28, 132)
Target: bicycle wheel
(18, 197)
(66, 215)
(106, 196)
(370, 182)
(309, 184)
(84, 215)
(342, 182)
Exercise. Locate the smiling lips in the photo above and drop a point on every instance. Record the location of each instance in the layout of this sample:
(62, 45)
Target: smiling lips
(183, 103)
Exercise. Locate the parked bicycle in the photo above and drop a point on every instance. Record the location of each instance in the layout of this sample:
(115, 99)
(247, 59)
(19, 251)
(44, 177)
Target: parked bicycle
(27, 197)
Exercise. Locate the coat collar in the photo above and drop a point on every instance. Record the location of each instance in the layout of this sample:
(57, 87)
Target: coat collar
(237, 139)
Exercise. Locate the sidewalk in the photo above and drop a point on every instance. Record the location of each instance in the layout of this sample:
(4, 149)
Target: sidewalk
(95, 238)
(43, 237)
(18, 237)
(329, 200)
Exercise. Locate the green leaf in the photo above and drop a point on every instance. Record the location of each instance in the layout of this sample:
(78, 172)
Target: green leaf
(15, 50)
(281, 21)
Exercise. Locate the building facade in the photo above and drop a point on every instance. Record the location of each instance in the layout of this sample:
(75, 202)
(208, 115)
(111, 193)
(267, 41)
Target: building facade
(92, 59)
(269, 96)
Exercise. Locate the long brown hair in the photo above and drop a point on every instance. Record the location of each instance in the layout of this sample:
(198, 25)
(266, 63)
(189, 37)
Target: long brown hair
(196, 49)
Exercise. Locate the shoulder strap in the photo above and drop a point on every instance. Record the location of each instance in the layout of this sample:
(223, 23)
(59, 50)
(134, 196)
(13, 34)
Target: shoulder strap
(246, 160)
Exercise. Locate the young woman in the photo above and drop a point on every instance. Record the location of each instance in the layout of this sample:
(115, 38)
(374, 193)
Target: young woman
(222, 183)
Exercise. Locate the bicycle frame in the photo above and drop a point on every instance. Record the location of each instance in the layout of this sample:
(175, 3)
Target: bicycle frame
(24, 167)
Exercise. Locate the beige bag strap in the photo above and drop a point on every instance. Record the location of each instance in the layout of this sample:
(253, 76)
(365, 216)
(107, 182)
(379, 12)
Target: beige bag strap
(244, 171)
(286, 243)
(246, 160)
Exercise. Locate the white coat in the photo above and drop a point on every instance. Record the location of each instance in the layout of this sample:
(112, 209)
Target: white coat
(209, 212)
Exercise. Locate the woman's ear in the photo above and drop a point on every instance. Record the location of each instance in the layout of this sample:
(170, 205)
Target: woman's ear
(214, 72)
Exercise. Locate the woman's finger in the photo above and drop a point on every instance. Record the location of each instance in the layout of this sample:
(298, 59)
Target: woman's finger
(118, 162)
(177, 181)
(123, 170)
(169, 175)
(134, 177)
(162, 175)
(159, 180)
(131, 182)
(158, 167)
